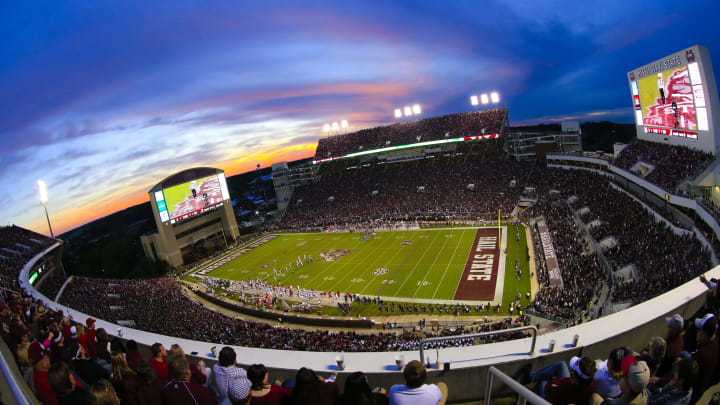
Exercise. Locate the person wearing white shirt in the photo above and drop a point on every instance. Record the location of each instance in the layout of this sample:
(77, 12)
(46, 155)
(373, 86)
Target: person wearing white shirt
(415, 391)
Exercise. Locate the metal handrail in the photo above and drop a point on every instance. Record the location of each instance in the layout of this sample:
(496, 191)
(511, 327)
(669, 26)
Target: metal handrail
(481, 334)
(21, 397)
(524, 394)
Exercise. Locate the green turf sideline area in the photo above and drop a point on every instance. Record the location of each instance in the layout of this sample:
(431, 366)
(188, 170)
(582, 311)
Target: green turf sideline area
(422, 265)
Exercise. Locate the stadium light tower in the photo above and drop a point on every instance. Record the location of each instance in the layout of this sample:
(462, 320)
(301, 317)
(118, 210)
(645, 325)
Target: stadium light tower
(474, 101)
(326, 128)
(484, 99)
(398, 113)
(343, 124)
(494, 97)
(42, 188)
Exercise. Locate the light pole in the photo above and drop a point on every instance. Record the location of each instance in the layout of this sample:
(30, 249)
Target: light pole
(42, 188)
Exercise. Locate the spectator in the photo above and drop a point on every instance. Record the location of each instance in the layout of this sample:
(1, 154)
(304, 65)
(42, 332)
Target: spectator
(150, 388)
(89, 370)
(654, 354)
(124, 380)
(132, 356)
(635, 378)
(415, 391)
(679, 390)
(311, 389)
(90, 342)
(559, 384)
(609, 373)
(40, 358)
(66, 388)
(157, 360)
(674, 340)
(103, 393)
(180, 391)
(200, 374)
(264, 393)
(225, 370)
(102, 346)
(706, 354)
(239, 391)
(358, 392)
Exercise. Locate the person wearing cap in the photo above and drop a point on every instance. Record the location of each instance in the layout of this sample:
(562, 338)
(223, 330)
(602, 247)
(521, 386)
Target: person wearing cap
(609, 372)
(415, 391)
(679, 390)
(633, 384)
(559, 384)
(707, 352)
(41, 364)
(239, 391)
(87, 369)
(180, 391)
(674, 341)
(90, 342)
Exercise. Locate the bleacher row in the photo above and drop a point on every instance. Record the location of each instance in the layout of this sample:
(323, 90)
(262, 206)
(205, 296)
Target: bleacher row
(429, 129)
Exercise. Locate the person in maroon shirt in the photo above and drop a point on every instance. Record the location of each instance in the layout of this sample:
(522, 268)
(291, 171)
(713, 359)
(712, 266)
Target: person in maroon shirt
(150, 388)
(180, 391)
(132, 357)
(262, 392)
(559, 384)
(90, 343)
(706, 354)
(157, 361)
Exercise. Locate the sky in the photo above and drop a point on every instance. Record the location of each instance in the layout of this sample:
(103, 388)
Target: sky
(102, 100)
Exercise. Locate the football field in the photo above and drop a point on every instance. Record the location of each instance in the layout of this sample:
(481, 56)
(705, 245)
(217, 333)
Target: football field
(427, 265)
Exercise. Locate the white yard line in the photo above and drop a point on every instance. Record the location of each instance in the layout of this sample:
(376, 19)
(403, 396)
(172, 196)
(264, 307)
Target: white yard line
(450, 262)
(416, 264)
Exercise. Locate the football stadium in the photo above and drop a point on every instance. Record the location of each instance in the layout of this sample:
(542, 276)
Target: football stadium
(450, 258)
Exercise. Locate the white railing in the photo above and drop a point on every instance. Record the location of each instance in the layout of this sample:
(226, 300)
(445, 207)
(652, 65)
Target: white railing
(524, 394)
(423, 342)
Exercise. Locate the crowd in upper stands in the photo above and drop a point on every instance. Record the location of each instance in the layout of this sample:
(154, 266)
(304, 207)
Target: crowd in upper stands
(672, 164)
(428, 129)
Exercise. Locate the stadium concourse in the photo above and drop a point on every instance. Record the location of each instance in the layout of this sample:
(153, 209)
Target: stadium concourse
(569, 200)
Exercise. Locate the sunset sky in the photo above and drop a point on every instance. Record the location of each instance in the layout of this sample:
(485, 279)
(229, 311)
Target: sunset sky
(103, 99)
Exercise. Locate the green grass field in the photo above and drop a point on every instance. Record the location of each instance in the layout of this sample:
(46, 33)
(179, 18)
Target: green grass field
(429, 268)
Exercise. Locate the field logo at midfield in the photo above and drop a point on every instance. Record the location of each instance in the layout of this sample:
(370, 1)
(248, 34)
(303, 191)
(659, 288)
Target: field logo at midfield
(380, 271)
(480, 276)
(334, 255)
(406, 243)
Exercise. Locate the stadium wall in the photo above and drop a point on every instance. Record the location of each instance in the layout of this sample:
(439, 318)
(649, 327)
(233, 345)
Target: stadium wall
(467, 365)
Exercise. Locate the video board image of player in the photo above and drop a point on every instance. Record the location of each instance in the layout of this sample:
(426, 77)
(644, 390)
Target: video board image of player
(192, 196)
(666, 100)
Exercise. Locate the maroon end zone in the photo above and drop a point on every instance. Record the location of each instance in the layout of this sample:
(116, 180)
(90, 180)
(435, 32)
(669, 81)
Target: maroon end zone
(480, 276)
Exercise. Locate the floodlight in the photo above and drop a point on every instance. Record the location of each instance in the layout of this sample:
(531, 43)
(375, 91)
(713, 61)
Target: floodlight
(42, 188)
(344, 123)
(335, 126)
(474, 100)
(408, 111)
(326, 127)
(484, 98)
(495, 97)
(416, 109)
(398, 113)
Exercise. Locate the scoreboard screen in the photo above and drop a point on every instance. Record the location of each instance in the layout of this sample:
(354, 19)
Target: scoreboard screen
(182, 201)
(670, 98)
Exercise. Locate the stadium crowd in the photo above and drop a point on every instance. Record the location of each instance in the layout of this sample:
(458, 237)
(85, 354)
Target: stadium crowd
(672, 164)
(428, 129)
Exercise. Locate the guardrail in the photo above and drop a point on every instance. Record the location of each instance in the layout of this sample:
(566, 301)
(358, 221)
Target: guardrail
(476, 335)
(524, 394)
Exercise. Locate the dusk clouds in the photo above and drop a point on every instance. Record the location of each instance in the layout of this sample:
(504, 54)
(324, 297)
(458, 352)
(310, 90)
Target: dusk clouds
(104, 99)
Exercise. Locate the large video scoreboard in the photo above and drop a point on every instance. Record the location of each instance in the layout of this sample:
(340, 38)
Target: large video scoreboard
(674, 99)
(182, 201)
